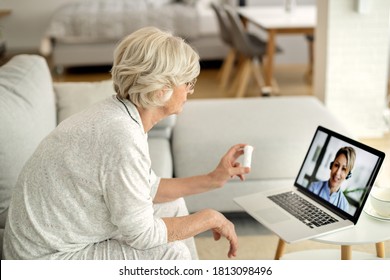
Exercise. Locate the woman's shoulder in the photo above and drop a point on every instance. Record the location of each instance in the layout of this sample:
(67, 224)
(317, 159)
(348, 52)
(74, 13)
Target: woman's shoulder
(104, 119)
(316, 184)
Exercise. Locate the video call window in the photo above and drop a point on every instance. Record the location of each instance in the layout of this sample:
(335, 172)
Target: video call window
(316, 172)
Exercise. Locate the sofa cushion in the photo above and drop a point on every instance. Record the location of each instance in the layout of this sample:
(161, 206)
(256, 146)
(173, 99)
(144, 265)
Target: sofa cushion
(73, 97)
(27, 115)
(280, 129)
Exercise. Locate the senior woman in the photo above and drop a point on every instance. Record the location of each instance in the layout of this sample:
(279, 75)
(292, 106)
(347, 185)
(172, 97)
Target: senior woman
(88, 191)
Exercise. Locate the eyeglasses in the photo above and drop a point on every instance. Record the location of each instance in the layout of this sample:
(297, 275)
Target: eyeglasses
(191, 85)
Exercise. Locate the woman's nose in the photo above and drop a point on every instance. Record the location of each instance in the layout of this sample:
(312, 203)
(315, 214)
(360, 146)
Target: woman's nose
(339, 171)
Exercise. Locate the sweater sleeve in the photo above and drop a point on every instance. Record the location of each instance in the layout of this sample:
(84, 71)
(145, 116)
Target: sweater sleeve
(155, 182)
(129, 188)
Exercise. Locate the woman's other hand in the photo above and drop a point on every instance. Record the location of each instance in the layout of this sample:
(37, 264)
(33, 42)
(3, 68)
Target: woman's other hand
(229, 167)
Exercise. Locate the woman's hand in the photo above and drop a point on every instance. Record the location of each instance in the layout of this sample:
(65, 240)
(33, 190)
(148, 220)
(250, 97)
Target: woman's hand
(173, 188)
(227, 230)
(183, 227)
(229, 167)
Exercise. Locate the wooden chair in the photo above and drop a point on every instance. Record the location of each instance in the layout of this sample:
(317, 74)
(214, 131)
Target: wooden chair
(229, 61)
(252, 50)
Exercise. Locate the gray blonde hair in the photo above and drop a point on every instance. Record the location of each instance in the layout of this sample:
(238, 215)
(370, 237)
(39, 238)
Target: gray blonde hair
(150, 60)
(350, 154)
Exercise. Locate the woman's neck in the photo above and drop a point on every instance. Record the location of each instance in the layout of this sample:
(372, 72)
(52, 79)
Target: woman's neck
(150, 117)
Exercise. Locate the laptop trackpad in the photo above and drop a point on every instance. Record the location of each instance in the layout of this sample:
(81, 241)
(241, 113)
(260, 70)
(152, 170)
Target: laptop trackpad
(273, 215)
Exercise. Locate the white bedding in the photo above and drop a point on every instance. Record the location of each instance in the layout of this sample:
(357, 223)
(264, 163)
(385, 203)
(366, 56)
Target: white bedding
(100, 20)
(86, 32)
(208, 25)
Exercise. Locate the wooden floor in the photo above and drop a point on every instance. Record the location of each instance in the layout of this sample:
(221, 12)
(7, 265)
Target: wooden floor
(290, 79)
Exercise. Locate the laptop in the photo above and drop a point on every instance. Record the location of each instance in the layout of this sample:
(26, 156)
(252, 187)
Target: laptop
(328, 193)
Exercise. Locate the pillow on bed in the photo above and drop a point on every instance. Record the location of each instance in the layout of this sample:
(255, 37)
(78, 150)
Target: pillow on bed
(159, 3)
(207, 3)
(188, 2)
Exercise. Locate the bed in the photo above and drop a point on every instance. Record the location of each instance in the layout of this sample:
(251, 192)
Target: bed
(85, 33)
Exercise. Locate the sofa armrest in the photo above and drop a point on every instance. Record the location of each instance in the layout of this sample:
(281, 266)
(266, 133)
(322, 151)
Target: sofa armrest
(27, 114)
(163, 129)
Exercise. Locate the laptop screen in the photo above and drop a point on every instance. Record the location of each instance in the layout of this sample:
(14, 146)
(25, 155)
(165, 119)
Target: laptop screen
(339, 172)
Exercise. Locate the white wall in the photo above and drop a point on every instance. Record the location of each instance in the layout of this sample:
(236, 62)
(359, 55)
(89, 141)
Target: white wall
(295, 46)
(351, 69)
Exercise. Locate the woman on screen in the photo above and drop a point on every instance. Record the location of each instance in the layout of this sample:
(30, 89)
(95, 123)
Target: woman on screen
(340, 170)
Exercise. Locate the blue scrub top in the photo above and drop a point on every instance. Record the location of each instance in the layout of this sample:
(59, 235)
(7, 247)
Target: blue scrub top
(322, 189)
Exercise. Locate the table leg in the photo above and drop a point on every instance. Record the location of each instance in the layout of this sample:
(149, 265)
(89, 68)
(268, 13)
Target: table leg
(380, 249)
(269, 68)
(309, 72)
(346, 252)
(245, 22)
(280, 249)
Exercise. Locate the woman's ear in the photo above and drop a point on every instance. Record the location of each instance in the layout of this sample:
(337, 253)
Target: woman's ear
(165, 94)
(161, 94)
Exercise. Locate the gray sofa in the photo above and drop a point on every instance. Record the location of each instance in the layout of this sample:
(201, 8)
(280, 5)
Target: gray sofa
(279, 128)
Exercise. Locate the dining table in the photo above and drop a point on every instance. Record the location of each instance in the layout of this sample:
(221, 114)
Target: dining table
(276, 20)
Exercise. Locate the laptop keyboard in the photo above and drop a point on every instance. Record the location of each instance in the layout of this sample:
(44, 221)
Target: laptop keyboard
(302, 209)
